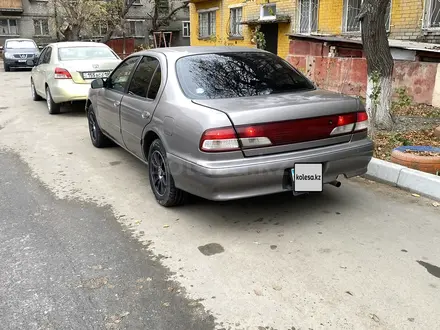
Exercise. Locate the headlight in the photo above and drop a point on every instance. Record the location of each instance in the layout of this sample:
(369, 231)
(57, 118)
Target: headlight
(9, 56)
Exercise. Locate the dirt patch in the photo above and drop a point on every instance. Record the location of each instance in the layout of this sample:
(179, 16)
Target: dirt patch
(416, 110)
(385, 142)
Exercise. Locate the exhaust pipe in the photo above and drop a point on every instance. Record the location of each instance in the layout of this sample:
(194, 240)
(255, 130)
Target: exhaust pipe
(335, 183)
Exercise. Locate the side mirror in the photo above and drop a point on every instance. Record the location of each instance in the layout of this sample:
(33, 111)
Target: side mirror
(97, 83)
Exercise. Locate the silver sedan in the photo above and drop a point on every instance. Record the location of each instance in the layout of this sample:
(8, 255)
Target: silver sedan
(65, 70)
(226, 123)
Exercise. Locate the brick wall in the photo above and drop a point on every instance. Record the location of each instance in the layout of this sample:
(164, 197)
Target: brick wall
(330, 16)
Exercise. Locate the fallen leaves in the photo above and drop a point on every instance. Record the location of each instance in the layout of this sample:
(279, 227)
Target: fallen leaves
(415, 195)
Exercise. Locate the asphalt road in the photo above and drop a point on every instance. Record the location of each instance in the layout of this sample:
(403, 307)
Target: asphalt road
(362, 256)
(71, 265)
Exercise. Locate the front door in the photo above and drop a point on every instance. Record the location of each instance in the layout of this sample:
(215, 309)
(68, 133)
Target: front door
(139, 103)
(270, 32)
(109, 98)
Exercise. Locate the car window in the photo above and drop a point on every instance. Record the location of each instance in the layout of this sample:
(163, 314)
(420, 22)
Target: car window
(155, 84)
(85, 53)
(41, 58)
(20, 44)
(119, 78)
(47, 55)
(237, 74)
(142, 76)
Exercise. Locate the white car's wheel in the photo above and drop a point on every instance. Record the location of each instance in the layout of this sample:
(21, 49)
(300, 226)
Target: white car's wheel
(35, 96)
(54, 108)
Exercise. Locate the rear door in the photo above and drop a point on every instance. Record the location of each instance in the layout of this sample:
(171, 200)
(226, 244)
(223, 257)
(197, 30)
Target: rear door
(109, 98)
(45, 68)
(139, 103)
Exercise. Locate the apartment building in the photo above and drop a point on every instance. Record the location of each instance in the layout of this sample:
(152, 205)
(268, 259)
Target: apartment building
(35, 19)
(236, 22)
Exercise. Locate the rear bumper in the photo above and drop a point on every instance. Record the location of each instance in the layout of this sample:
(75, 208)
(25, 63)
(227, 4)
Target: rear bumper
(269, 174)
(65, 90)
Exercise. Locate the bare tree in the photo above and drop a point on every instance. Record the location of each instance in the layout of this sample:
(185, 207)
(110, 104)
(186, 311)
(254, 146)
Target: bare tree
(73, 17)
(379, 62)
(161, 13)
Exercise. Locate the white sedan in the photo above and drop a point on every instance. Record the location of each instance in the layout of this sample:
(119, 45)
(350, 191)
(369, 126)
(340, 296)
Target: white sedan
(65, 70)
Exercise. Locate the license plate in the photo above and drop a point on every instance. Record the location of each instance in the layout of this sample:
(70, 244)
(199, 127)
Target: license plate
(95, 75)
(307, 177)
(21, 61)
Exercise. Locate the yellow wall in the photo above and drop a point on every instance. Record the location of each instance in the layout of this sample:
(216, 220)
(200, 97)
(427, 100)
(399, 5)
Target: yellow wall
(406, 17)
(330, 16)
(251, 10)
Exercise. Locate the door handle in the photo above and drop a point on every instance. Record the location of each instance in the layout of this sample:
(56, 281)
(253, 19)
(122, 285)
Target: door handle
(146, 115)
(116, 104)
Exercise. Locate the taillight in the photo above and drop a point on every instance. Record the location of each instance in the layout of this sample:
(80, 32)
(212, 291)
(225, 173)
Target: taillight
(219, 139)
(61, 73)
(225, 139)
(351, 122)
(361, 122)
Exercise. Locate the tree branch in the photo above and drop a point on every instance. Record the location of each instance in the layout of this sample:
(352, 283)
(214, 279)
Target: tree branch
(162, 20)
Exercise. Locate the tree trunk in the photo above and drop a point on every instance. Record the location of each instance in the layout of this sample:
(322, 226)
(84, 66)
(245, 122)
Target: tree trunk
(379, 62)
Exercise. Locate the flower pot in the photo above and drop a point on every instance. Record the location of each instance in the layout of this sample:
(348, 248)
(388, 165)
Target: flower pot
(422, 158)
(437, 132)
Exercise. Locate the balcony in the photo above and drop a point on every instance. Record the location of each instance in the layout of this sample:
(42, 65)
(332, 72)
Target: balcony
(11, 6)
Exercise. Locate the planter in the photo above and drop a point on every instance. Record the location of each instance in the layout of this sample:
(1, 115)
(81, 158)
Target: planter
(437, 132)
(422, 158)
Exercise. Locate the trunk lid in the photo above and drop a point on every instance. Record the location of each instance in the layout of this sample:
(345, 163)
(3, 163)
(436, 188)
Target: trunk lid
(294, 121)
(85, 71)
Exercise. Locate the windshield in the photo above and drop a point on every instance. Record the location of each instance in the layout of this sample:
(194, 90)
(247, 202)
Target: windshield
(20, 44)
(85, 53)
(240, 74)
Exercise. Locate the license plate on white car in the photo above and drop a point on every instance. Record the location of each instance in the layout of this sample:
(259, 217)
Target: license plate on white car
(95, 75)
(307, 177)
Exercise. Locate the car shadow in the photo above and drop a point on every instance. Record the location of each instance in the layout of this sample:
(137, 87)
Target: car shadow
(75, 109)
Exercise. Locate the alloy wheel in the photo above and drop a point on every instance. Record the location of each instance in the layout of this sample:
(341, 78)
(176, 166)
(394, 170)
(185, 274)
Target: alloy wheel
(92, 126)
(159, 173)
(48, 100)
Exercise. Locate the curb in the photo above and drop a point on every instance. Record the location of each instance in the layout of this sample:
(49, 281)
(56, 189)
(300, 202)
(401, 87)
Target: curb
(422, 183)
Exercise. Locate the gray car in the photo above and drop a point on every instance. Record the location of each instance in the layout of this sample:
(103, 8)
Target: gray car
(227, 123)
(19, 53)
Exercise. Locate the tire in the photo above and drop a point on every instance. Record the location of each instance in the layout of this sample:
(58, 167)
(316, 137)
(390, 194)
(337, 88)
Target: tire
(99, 140)
(35, 96)
(7, 68)
(54, 108)
(164, 190)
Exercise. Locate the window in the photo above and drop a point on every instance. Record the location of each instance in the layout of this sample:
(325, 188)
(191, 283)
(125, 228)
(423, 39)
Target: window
(308, 16)
(41, 27)
(85, 53)
(21, 44)
(237, 74)
(100, 29)
(119, 78)
(42, 54)
(8, 27)
(235, 22)
(141, 80)
(186, 28)
(268, 11)
(135, 28)
(155, 84)
(352, 9)
(207, 24)
(163, 7)
(47, 56)
(432, 14)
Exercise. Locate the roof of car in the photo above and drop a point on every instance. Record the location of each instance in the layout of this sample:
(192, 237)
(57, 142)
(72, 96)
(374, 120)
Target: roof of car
(194, 50)
(76, 44)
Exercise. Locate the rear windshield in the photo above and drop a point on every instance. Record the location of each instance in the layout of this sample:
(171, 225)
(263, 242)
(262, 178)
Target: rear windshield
(20, 44)
(85, 53)
(228, 75)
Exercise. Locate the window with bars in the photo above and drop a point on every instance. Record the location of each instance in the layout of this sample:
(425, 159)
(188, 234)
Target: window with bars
(8, 27)
(41, 27)
(432, 14)
(308, 16)
(207, 24)
(352, 9)
(235, 22)
(186, 29)
(163, 7)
